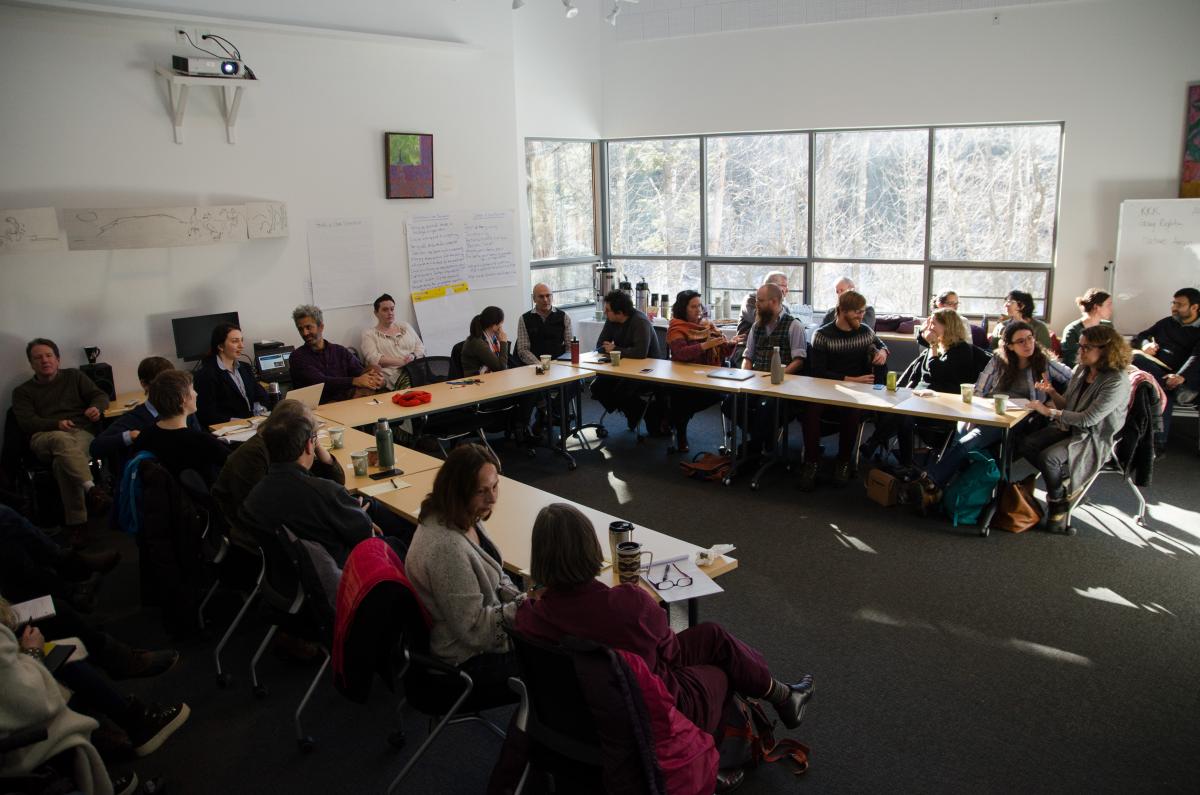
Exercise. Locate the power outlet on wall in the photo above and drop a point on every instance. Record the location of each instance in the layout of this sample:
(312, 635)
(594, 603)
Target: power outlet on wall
(995, 19)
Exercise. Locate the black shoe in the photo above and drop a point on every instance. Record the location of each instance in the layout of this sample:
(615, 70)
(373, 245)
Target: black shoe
(634, 412)
(841, 474)
(731, 779)
(82, 596)
(808, 477)
(791, 712)
(125, 784)
(152, 724)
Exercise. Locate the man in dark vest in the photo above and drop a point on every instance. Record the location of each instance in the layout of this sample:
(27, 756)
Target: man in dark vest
(543, 330)
(773, 328)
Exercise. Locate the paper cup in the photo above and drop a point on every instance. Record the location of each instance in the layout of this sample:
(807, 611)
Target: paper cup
(338, 437)
(359, 459)
(372, 457)
(545, 359)
(968, 392)
(1001, 403)
(614, 356)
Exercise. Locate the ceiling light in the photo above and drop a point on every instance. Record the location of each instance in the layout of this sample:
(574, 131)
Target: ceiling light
(571, 10)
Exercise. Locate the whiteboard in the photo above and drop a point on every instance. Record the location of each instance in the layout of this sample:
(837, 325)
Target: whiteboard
(1158, 252)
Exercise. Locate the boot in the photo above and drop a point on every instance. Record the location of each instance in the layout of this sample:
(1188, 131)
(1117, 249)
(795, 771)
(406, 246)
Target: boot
(681, 440)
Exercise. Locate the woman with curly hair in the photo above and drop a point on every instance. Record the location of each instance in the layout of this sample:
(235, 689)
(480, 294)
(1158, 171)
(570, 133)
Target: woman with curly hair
(1083, 421)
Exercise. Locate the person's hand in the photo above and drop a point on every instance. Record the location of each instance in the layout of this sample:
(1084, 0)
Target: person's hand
(66, 425)
(861, 379)
(135, 433)
(323, 455)
(1150, 347)
(32, 638)
(1172, 381)
(738, 339)
(369, 380)
(92, 413)
(1039, 407)
(376, 530)
(998, 330)
(500, 335)
(1044, 385)
(608, 346)
(880, 357)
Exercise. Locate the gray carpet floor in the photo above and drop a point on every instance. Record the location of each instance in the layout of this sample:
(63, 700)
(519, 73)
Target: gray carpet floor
(944, 662)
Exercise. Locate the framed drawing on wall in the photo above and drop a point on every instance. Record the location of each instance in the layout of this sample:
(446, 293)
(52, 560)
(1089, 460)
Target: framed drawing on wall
(1189, 183)
(409, 165)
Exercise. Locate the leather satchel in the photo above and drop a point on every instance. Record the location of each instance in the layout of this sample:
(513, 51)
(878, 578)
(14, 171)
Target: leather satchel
(1018, 510)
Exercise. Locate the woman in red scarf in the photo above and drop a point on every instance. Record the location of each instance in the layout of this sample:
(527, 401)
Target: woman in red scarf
(695, 339)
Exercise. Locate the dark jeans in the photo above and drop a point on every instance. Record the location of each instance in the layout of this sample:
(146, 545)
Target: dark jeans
(93, 694)
(1191, 380)
(758, 420)
(1046, 449)
(29, 560)
(848, 421)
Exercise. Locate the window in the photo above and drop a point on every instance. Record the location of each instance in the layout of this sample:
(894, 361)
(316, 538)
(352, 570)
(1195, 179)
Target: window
(995, 192)
(654, 197)
(757, 195)
(561, 192)
(892, 288)
(661, 275)
(738, 279)
(571, 284)
(982, 291)
(870, 190)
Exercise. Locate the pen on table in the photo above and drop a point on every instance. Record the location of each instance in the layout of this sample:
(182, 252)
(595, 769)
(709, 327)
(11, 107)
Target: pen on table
(394, 486)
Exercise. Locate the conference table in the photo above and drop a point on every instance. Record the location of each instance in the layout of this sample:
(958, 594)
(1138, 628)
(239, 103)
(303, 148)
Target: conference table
(463, 393)
(124, 402)
(511, 524)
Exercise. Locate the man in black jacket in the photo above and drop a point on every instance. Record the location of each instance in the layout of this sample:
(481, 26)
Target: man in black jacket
(629, 331)
(1170, 351)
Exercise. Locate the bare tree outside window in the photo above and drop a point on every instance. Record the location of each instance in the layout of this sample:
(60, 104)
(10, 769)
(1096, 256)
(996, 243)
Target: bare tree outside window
(888, 286)
(739, 279)
(870, 194)
(654, 197)
(561, 205)
(662, 275)
(571, 284)
(995, 192)
(757, 195)
(981, 292)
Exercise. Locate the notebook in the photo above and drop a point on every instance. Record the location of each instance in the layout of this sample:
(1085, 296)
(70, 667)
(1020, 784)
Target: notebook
(732, 375)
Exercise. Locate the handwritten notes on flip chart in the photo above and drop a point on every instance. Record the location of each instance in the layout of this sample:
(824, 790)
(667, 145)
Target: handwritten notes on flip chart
(473, 247)
(341, 262)
(1158, 251)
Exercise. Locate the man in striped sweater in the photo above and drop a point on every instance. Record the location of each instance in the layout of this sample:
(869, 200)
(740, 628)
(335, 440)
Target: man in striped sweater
(843, 350)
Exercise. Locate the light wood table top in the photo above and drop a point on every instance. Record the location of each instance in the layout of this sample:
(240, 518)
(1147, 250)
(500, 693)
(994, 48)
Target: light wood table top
(980, 411)
(664, 371)
(847, 394)
(124, 402)
(511, 525)
(409, 460)
(501, 384)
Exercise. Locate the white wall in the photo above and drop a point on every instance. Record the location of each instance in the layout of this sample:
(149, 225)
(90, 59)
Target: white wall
(1115, 71)
(85, 124)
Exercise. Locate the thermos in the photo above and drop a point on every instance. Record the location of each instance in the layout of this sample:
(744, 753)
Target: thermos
(776, 366)
(642, 302)
(618, 532)
(626, 288)
(665, 306)
(574, 350)
(383, 443)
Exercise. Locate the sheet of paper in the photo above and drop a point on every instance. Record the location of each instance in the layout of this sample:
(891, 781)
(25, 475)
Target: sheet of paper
(100, 229)
(443, 316)
(341, 262)
(489, 249)
(30, 231)
(702, 584)
(384, 486)
(266, 219)
(35, 609)
(436, 254)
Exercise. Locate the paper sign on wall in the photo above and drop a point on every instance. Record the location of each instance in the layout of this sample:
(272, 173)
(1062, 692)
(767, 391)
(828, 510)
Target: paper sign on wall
(341, 261)
(448, 248)
(443, 316)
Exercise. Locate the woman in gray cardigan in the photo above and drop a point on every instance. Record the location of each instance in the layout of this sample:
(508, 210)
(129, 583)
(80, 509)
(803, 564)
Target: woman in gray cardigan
(1083, 421)
(458, 572)
(487, 345)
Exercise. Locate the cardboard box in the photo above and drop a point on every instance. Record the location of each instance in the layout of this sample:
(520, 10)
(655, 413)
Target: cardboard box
(883, 487)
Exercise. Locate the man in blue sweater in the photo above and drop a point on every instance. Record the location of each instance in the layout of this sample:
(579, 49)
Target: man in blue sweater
(1170, 351)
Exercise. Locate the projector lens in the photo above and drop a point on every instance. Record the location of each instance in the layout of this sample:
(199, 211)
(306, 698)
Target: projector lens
(229, 67)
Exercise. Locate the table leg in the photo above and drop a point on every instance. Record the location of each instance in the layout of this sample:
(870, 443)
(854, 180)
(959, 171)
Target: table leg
(693, 612)
(562, 427)
(738, 446)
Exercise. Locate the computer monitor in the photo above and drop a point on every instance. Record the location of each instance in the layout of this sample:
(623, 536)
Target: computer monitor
(193, 334)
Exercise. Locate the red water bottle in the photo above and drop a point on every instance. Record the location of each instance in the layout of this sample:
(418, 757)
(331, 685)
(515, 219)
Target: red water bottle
(574, 350)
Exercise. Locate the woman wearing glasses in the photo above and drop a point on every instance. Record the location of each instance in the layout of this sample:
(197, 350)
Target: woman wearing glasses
(1083, 421)
(459, 574)
(699, 666)
(1018, 368)
(1019, 307)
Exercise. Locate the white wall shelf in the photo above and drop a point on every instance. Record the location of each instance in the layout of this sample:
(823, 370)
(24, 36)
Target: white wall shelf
(230, 89)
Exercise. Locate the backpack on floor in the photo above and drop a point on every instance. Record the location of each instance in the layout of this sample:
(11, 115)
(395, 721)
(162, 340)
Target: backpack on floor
(707, 466)
(748, 739)
(969, 493)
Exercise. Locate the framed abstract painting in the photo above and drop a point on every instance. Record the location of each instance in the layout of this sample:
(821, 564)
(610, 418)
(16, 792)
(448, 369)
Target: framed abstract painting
(1189, 184)
(409, 165)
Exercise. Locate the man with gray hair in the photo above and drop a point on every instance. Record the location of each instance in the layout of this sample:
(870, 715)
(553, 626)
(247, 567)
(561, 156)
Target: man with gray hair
(846, 283)
(322, 362)
(750, 305)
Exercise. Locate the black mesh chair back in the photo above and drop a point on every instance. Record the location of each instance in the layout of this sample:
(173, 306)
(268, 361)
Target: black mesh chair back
(428, 370)
(456, 367)
(561, 726)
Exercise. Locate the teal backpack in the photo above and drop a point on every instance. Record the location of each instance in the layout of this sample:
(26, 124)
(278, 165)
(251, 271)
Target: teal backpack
(969, 493)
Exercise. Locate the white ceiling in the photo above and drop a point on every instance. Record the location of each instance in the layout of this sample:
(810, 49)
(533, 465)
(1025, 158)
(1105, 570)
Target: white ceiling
(660, 19)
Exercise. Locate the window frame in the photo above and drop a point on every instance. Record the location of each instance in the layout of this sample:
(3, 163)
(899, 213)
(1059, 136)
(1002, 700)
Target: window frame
(603, 210)
(599, 239)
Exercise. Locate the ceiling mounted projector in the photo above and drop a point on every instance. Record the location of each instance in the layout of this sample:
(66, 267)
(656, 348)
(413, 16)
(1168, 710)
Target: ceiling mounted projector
(208, 67)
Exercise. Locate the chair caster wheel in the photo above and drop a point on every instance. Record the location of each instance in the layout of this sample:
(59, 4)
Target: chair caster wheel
(754, 485)
(223, 680)
(397, 739)
(571, 467)
(1070, 531)
(307, 744)
(727, 481)
(260, 691)
(601, 433)
(984, 531)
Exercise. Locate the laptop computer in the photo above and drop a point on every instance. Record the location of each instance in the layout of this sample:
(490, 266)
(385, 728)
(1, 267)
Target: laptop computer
(274, 364)
(308, 395)
(732, 375)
